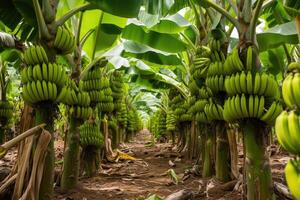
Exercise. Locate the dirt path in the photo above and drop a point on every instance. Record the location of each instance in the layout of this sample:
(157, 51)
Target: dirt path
(133, 179)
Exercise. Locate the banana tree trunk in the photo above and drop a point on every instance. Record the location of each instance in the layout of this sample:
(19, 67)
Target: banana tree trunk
(91, 160)
(257, 167)
(44, 114)
(71, 166)
(233, 152)
(223, 169)
(207, 170)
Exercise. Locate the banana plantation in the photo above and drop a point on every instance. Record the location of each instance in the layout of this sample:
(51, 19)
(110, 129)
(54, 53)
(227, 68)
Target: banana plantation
(149, 99)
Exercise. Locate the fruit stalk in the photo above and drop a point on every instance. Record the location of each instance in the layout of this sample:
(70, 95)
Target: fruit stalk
(71, 157)
(223, 161)
(257, 168)
(44, 115)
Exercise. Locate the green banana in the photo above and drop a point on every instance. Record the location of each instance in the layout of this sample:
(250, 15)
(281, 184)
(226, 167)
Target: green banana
(256, 106)
(263, 83)
(293, 178)
(251, 106)
(282, 132)
(287, 92)
(243, 82)
(45, 90)
(249, 59)
(40, 90)
(237, 83)
(50, 91)
(45, 71)
(294, 129)
(257, 83)
(296, 89)
(35, 91)
(249, 83)
(244, 106)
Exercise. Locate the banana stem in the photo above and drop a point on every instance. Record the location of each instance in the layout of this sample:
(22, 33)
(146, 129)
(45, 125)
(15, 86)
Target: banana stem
(71, 166)
(224, 13)
(44, 115)
(223, 160)
(72, 12)
(257, 166)
(43, 30)
(254, 20)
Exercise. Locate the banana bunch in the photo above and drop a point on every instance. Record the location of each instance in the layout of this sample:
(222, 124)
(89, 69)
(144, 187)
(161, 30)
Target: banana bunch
(37, 91)
(291, 90)
(90, 135)
(105, 106)
(132, 122)
(200, 62)
(205, 93)
(253, 106)
(216, 68)
(161, 126)
(214, 44)
(70, 96)
(81, 112)
(214, 111)
(193, 87)
(292, 7)
(117, 85)
(92, 84)
(6, 109)
(48, 72)
(122, 114)
(287, 127)
(234, 64)
(104, 82)
(113, 124)
(215, 83)
(35, 55)
(293, 67)
(171, 121)
(64, 40)
(198, 106)
(246, 83)
(292, 176)
(201, 117)
(94, 73)
(105, 102)
(186, 117)
(200, 67)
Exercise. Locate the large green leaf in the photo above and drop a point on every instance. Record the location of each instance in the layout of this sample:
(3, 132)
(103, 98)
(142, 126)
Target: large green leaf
(133, 49)
(106, 32)
(162, 41)
(9, 15)
(278, 35)
(122, 8)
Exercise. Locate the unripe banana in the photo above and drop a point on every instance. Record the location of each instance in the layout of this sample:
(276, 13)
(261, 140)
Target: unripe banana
(294, 130)
(249, 83)
(292, 177)
(251, 106)
(249, 59)
(296, 89)
(263, 83)
(287, 92)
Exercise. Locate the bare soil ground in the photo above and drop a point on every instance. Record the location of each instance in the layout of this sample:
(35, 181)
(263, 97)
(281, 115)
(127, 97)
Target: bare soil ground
(129, 180)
